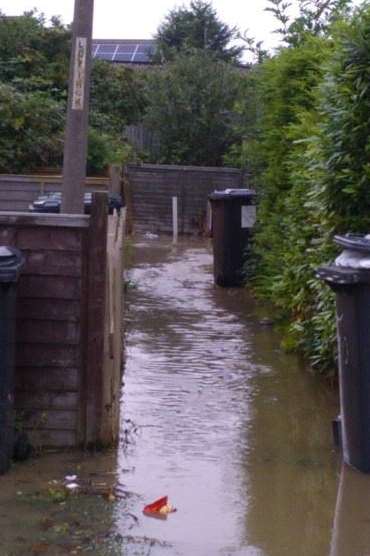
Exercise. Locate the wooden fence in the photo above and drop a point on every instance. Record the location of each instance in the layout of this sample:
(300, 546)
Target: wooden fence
(17, 192)
(69, 333)
(143, 139)
(149, 190)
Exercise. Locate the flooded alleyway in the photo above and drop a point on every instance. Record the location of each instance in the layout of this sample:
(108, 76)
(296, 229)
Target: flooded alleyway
(236, 432)
(217, 417)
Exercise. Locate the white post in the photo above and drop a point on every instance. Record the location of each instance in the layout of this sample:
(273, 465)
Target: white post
(175, 222)
(209, 218)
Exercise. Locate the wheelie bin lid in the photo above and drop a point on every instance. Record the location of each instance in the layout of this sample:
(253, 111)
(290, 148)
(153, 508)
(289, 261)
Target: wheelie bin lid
(356, 252)
(354, 242)
(228, 194)
(352, 266)
(11, 262)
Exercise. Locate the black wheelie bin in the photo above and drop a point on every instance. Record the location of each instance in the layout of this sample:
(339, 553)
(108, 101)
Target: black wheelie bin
(11, 262)
(349, 278)
(233, 220)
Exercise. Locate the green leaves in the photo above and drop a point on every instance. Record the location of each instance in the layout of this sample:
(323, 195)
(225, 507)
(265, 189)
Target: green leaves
(346, 126)
(196, 27)
(189, 104)
(34, 63)
(30, 129)
(117, 97)
(306, 139)
(315, 17)
(313, 136)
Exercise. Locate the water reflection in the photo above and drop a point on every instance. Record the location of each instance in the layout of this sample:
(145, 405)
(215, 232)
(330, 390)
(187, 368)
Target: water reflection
(351, 530)
(234, 430)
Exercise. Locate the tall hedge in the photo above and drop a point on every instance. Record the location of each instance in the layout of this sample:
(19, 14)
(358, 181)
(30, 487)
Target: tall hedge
(312, 144)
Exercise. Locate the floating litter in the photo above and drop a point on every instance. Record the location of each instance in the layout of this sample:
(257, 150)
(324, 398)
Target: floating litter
(160, 508)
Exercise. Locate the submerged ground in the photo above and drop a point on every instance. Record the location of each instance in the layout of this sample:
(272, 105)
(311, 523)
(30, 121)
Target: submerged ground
(214, 415)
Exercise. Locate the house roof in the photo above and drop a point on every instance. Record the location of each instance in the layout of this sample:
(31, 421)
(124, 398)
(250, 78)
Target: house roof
(124, 51)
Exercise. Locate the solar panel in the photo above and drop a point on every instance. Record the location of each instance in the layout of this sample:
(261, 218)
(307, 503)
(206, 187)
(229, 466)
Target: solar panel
(128, 51)
(146, 48)
(127, 46)
(123, 57)
(107, 47)
(141, 58)
(123, 51)
(105, 56)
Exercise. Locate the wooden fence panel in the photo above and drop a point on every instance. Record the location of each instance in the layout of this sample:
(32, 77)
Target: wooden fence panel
(69, 324)
(149, 190)
(48, 339)
(17, 192)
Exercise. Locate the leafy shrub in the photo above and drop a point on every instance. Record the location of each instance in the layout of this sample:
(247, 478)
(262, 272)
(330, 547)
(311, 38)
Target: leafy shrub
(105, 149)
(31, 129)
(308, 144)
(189, 106)
(33, 94)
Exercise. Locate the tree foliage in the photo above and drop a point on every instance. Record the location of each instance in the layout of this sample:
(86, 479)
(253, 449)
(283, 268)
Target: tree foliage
(34, 66)
(315, 17)
(117, 97)
(196, 27)
(31, 129)
(189, 107)
(34, 56)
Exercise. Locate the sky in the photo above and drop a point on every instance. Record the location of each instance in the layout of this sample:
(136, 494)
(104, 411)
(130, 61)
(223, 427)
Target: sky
(123, 19)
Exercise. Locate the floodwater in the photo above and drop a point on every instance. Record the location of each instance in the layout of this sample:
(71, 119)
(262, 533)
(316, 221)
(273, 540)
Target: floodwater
(216, 416)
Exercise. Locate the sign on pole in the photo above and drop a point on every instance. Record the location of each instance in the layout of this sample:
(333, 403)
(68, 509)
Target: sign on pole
(75, 146)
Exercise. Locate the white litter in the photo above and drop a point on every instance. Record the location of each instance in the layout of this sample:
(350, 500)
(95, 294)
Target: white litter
(72, 486)
(353, 259)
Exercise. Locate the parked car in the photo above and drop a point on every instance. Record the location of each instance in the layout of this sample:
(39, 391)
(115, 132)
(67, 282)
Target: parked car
(53, 201)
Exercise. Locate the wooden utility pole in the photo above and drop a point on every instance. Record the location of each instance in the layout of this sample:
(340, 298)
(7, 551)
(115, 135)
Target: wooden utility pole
(75, 146)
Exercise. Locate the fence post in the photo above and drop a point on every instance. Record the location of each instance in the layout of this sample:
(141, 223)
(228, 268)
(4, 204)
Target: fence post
(115, 179)
(128, 201)
(175, 221)
(209, 219)
(96, 299)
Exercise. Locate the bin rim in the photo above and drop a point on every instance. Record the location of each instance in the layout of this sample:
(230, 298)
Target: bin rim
(335, 275)
(10, 264)
(232, 194)
(353, 242)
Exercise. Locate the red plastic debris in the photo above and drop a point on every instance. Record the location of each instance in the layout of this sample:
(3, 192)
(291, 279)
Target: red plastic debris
(157, 505)
(159, 508)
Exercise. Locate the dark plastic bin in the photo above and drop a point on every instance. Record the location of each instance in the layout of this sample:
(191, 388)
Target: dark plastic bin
(11, 262)
(233, 219)
(351, 283)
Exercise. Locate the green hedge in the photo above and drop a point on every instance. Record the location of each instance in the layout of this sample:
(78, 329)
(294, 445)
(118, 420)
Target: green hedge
(309, 146)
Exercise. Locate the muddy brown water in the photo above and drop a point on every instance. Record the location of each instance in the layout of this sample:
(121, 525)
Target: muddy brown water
(216, 416)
